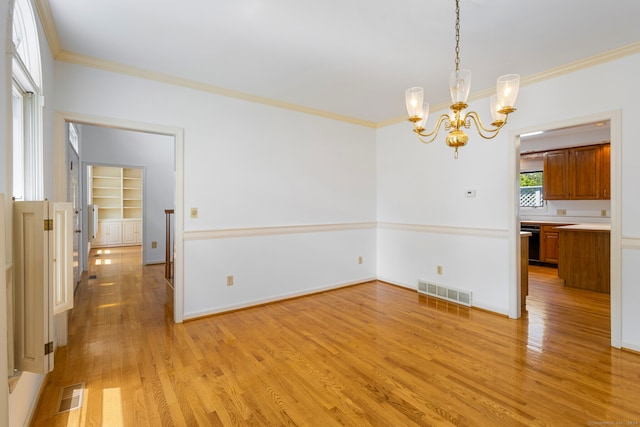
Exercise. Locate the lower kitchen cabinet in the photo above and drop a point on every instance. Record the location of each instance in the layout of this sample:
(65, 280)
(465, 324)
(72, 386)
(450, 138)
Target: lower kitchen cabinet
(549, 243)
(585, 259)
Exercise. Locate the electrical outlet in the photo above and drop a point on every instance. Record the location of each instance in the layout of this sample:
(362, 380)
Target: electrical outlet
(561, 212)
(229, 280)
(359, 260)
(154, 245)
(603, 212)
(439, 269)
(194, 213)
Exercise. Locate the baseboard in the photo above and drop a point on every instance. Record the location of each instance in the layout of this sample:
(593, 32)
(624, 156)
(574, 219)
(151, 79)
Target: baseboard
(415, 288)
(631, 348)
(278, 298)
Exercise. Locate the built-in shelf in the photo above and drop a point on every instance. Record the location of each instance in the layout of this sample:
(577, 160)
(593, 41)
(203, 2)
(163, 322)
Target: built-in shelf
(118, 194)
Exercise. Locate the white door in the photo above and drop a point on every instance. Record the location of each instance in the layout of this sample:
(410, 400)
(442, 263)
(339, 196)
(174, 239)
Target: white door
(43, 272)
(73, 176)
(33, 306)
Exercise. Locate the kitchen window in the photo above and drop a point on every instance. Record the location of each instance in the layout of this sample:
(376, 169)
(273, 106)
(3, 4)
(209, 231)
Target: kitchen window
(531, 193)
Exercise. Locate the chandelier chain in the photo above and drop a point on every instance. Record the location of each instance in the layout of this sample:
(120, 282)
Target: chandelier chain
(457, 35)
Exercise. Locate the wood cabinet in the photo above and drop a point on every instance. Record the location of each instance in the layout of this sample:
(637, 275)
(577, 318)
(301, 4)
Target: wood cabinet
(549, 244)
(605, 171)
(524, 269)
(555, 175)
(584, 173)
(577, 173)
(585, 259)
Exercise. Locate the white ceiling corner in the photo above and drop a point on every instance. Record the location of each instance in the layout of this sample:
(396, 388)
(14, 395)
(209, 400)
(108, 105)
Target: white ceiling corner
(350, 59)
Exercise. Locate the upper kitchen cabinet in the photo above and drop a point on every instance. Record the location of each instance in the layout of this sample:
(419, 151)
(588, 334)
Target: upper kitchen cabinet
(577, 173)
(605, 171)
(556, 165)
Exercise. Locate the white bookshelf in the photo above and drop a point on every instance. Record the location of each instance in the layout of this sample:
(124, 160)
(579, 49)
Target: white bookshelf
(118, 194)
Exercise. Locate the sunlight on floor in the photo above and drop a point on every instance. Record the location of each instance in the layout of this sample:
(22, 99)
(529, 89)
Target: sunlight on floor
(79, 417)
(108, 305)
(112, 407)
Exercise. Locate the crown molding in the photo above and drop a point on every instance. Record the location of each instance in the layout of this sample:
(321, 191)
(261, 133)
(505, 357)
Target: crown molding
(571, 67)
(46, 18)
(87, 61)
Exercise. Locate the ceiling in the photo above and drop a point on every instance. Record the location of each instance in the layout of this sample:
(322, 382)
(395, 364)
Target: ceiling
(350, 58)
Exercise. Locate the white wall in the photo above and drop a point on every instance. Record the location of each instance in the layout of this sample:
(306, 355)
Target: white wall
(426, 220)
(423, 185)
(154, 153)
(251, 168)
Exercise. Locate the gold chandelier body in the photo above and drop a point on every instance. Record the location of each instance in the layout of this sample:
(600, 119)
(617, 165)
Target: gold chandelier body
(460, 84)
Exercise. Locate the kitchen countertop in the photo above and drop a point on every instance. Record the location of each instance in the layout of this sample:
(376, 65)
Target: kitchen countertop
(547, 222)
(525, 234)
(586, 227)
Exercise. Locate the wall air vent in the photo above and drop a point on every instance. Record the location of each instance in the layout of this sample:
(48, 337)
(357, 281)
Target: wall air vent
(450, 294)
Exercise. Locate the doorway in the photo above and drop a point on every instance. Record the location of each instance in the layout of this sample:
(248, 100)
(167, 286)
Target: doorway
(176, 135)
(115, 195)
(74, 196)
(583, 210)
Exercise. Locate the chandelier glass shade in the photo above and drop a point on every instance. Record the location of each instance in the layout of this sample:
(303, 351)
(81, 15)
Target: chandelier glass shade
(501, 105)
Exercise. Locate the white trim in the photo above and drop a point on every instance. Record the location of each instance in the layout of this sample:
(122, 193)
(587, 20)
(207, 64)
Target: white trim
(229, 233)
(514, 274)
(615, 117)
(5, 363)
(630, 346)
(571, 67)
(198, 314)
(60, 181)
(630, 243)
(114, 67)
(436, 229)
(269, 231)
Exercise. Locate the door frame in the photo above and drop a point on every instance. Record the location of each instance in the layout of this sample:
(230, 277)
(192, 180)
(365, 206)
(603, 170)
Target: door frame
(78, 230)
(60, 181)
(615, 118)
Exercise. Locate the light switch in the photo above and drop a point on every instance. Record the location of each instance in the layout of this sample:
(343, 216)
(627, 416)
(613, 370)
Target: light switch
(194, 213)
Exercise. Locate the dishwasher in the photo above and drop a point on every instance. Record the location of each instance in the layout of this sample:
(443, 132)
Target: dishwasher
(534, 241)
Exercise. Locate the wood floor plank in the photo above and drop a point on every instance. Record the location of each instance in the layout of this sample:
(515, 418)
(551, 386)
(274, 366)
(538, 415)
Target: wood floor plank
(371, 354)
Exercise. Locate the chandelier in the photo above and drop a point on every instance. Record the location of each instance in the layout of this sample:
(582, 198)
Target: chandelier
(460, 82)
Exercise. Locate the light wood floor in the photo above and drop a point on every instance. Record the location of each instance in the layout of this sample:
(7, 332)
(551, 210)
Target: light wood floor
(371, 354)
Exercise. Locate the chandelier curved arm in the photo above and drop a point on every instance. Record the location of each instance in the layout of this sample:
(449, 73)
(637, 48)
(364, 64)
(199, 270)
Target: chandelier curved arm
(483, 131)
(434, 133)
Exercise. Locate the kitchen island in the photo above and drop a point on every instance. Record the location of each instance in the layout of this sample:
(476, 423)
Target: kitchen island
(584, 259)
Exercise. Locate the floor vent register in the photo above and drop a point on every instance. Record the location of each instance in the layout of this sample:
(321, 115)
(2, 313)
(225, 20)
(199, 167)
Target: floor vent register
(70, 398)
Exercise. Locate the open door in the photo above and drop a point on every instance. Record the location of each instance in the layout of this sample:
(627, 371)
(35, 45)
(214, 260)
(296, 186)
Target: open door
(43, 279)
